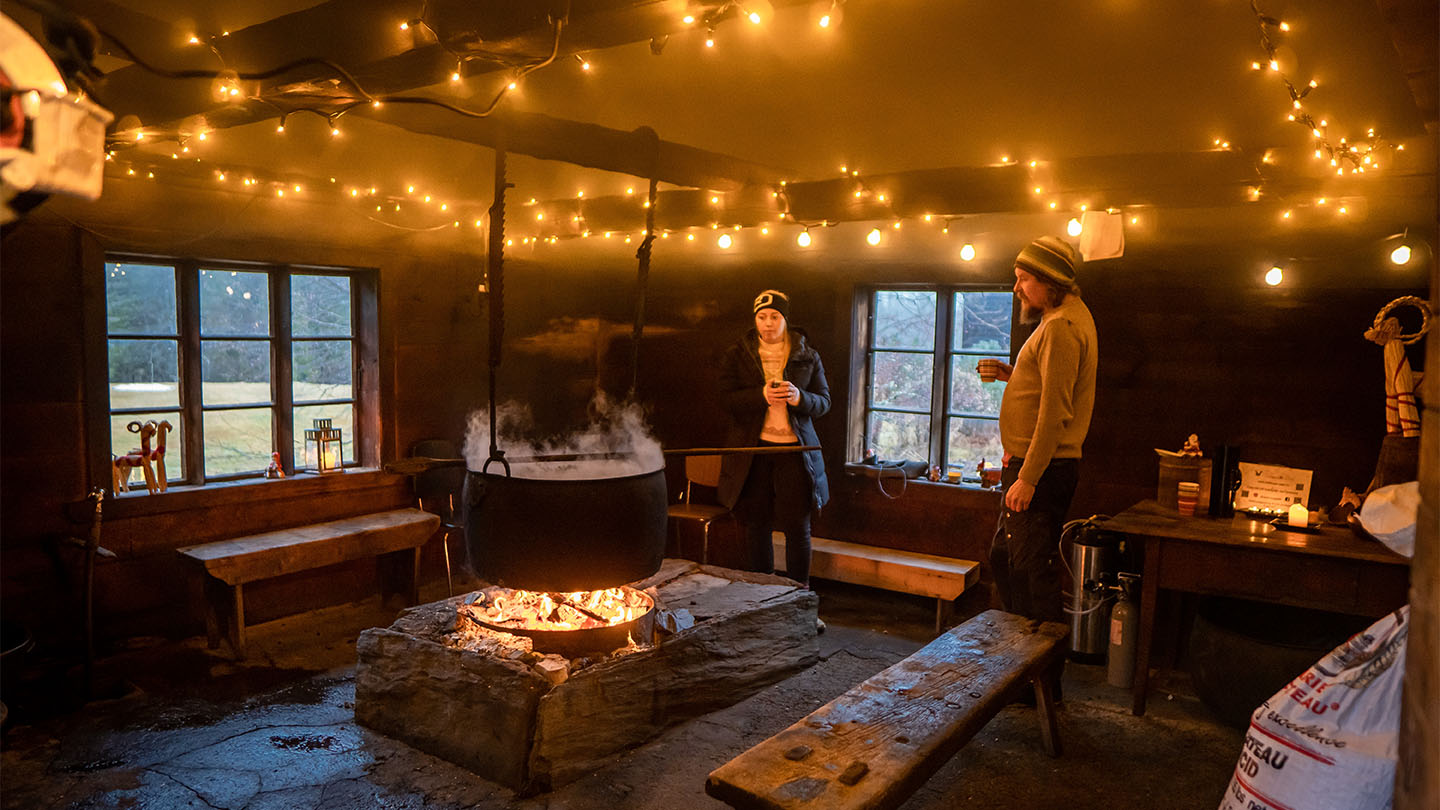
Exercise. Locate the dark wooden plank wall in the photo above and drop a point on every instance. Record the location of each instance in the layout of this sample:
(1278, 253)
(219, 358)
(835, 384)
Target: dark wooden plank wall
(1191, 342)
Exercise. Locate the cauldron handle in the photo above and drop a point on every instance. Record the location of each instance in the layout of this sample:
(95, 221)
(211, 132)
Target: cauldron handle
(500, 457)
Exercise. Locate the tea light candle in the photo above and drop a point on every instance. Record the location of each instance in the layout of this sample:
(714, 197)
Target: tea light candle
(1299, 515)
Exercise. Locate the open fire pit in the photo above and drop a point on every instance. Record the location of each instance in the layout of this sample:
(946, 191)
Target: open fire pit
(468, 680)
(571, 624)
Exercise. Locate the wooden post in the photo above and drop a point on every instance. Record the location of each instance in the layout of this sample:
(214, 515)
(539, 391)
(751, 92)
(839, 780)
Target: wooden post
(1417, 780)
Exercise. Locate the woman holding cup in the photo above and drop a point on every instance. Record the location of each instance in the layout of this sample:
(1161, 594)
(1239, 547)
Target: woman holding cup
(772, 384)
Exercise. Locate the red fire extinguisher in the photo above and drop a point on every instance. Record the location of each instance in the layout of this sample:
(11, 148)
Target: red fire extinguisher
(1124, 626)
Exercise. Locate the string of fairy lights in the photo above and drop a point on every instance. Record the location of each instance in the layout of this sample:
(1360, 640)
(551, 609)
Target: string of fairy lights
(1344, 154)
(404, 208)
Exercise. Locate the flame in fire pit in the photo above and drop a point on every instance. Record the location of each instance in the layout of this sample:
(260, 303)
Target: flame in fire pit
(519, 611)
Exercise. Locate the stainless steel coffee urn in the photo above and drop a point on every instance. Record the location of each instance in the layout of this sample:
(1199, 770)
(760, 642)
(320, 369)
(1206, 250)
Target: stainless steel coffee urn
(1094, 558)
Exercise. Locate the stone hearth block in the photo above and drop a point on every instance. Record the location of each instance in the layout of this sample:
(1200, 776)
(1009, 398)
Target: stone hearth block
(502, 719)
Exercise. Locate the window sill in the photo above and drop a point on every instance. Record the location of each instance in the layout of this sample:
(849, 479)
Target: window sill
(857, 470)
(249, 490)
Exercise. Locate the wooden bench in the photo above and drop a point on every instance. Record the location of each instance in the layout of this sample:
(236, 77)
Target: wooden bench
(227, 565)
(873, 746)
(889, 569)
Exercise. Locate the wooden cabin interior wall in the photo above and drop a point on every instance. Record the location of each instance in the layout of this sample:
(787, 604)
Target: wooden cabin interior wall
(1191, 342)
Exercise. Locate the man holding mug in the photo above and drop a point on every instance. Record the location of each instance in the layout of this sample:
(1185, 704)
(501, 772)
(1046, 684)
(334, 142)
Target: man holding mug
(1044, 416)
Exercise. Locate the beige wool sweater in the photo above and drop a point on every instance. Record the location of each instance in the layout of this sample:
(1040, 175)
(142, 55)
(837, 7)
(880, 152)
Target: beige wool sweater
(1046, 410)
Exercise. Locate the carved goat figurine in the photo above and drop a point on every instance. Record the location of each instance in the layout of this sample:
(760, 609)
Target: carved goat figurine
(138, 457)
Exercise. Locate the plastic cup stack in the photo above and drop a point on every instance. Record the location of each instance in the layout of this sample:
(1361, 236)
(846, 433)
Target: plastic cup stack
(1186, 495)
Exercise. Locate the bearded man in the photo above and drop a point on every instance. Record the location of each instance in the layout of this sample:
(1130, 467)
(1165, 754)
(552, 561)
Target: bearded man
(1044, 416)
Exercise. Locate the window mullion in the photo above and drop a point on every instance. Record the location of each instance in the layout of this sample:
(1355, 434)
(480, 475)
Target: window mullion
(939, 383)
(282, 387)
(188, 290)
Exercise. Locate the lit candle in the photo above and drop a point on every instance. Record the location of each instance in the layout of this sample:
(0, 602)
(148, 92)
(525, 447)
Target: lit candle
(330, 465)
(1299, 515)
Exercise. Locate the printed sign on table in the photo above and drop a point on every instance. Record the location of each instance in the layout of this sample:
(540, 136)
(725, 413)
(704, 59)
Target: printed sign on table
(1270, 488)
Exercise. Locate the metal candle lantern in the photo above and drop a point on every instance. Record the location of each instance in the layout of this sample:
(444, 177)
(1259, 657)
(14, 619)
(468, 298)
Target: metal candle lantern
(324, 441)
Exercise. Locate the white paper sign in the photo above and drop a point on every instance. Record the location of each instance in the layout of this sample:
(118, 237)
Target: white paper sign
(1268, 488)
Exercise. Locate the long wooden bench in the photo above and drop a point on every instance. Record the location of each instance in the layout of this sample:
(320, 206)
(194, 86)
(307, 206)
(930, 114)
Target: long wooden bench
(873, 746)
(889, 569)
(227, 565)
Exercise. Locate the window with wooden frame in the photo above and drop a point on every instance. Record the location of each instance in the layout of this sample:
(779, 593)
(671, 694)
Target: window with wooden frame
(914, 342)
(234, 361)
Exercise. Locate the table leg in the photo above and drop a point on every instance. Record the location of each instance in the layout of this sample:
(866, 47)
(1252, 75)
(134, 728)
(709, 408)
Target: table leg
(1149, 590)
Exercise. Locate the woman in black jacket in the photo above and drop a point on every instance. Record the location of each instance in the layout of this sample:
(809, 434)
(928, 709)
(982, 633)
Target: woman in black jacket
(773, 384)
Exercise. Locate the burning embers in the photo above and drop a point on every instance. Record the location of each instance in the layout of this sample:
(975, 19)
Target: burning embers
(569, 623)
(520, 611)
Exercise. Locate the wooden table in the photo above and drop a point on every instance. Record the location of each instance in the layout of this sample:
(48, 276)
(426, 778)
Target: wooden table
(1333, 569)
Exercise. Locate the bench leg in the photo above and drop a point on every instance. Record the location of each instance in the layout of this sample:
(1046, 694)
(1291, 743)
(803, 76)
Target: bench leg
(225, 604)
(400, 575)
(1045, 713)
(944, 612)
(202, 592)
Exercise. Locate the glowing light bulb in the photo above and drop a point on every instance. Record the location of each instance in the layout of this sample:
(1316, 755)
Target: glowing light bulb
(455, 77)
(1274, 276)
(540, 217)
(201, 136)
(1073, 227)
(1400, 255)
(873, 237)
(334, 132)
(194, 40)
(724, 241)
(967, 252)
(803, 240)
(754, 18)
(895, 225)
(824, 21)
(688, 19)
(512, 85)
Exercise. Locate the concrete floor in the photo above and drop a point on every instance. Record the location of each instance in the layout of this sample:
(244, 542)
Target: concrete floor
(195, 730)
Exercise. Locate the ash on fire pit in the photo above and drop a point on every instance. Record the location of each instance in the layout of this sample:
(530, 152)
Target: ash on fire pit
(495, 703)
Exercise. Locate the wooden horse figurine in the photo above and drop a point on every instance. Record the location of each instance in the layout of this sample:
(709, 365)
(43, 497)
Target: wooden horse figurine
(137, 457)
(120, 470)
(158, 454)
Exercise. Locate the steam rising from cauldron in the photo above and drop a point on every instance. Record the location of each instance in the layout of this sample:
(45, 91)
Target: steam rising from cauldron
(617, 431)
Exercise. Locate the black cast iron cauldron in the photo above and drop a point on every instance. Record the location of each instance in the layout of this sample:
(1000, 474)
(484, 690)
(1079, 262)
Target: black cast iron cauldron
(541, 534)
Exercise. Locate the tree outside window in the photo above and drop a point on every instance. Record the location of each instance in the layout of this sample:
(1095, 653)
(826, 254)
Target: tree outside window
(239, 360)
(925, 340)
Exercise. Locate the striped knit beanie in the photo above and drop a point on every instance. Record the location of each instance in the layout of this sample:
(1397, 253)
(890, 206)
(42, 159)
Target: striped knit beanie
(1052, 259)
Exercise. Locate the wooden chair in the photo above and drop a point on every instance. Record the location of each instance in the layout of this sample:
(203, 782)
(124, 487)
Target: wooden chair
(705, 471)
(438, 492)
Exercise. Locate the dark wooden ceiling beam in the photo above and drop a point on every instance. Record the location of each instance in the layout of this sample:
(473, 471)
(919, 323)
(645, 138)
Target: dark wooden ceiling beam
(639, 153)
(365, 37)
